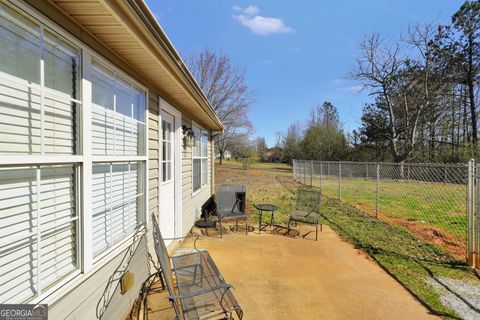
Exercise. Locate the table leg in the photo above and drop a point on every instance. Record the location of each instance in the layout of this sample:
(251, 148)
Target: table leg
(260, 222)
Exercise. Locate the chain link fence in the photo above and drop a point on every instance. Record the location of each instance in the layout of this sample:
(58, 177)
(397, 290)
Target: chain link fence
(429, 200)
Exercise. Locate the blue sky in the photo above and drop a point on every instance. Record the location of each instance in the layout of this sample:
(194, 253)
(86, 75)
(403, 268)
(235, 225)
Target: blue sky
(295, 53)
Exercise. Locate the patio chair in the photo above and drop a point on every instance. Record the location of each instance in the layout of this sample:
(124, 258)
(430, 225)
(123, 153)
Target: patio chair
(307, 209)
(230, 205)
(199, 290)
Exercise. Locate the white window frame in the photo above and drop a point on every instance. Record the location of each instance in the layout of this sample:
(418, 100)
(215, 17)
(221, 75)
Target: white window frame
(82, 162)
(173, 144)
(112, 159)
(203, 184)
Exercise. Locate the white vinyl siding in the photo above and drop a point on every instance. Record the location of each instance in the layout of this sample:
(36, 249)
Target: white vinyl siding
(199, 158)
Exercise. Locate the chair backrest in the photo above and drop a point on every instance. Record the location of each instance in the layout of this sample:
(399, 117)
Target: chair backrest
(163, 258)
(226, 202)
(308, 200)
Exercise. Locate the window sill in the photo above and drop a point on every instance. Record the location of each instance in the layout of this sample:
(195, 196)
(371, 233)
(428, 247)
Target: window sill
(194, 193)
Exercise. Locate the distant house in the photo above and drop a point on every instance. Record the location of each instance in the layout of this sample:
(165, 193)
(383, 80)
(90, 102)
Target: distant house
(226, 155)
(94, 105)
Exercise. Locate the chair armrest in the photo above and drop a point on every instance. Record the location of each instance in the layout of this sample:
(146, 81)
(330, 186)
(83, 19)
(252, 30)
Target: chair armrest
(225, 286)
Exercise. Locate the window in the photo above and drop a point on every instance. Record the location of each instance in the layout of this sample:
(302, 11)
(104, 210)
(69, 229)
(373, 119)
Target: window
(166, 161)
(39, 85)
(39, 92)
(118, 131)
(118, 115)
(200, 158)
(117, 197)
(44, 159)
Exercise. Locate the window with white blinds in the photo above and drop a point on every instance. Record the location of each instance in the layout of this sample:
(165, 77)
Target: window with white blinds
(199, 158)
(44, 158)
(117, 201)
(38, 242)
(39, 87)
(118, 131)
(39, 102)
(118, 115)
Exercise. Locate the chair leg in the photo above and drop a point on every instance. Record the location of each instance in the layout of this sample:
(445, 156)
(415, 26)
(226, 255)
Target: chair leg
(246, 227)
(162, 282)
(316, 232)
(221, 229)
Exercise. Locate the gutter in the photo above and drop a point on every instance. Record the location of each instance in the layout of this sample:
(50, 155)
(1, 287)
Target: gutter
(148, 19)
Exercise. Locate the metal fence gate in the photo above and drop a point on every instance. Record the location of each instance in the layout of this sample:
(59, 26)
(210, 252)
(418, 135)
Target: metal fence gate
(438, 203)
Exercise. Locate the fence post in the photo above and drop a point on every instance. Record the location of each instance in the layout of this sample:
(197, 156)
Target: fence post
(304, 172)
(293, 169)
(311, 173)
(339, 181)
(475, 218)
(321, 172)
(470, 213)
(377, 200)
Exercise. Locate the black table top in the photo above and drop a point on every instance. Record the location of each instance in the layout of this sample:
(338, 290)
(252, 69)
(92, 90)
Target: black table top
(266, 207)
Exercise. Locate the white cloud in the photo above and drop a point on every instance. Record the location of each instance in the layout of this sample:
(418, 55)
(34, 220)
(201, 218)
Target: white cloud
(251, 10)
(338, 81)
(351, 89)
(258, 24)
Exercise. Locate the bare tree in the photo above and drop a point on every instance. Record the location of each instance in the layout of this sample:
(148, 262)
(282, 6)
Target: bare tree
(401, 82)
(225, 87)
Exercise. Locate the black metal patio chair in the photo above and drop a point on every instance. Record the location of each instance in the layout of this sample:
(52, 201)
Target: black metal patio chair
(199, 290)
(230, 205)
(307, 209)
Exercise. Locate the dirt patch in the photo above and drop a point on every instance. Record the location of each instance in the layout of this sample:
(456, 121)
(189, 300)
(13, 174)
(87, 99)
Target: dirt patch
(432, 235)
(256, 173)
(455, 214)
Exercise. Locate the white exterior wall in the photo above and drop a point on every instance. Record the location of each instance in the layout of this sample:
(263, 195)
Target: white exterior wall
(192, 202)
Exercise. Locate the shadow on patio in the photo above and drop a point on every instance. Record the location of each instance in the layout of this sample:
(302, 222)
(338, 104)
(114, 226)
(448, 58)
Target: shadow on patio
(278, 277)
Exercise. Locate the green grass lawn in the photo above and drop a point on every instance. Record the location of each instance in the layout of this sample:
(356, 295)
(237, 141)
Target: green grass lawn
(413, 262)
(436, 210)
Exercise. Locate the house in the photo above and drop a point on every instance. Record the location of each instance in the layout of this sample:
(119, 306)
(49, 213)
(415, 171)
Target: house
(95, 107)
(226, 155)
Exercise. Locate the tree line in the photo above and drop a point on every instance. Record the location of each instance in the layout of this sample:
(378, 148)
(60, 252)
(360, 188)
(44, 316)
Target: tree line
(425, 90)
(424, 87)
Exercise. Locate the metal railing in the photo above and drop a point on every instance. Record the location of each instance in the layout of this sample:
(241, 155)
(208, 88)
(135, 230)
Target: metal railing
(438, 203)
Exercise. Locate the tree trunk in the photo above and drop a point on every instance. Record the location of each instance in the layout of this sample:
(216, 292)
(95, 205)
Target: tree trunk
(221, 157)
(432, 141)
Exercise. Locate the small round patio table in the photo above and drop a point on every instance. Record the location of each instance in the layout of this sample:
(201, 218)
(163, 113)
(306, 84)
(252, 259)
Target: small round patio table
(267, 208)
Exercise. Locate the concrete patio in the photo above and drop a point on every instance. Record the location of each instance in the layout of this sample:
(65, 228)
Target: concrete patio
(277, 277)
